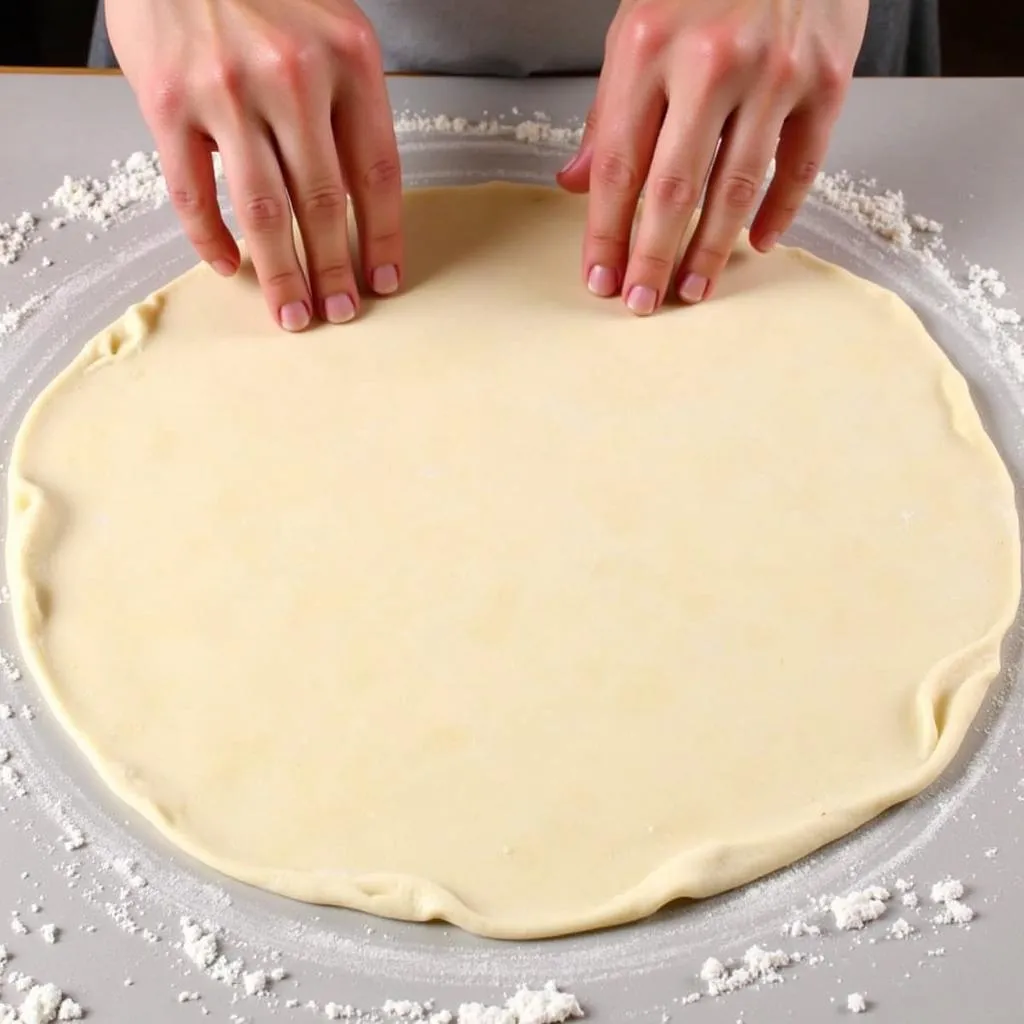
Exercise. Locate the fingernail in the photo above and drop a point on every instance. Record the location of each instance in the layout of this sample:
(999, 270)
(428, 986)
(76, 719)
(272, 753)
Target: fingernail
(339, 309)
(602, 281)
(642, 300)
(224, 267)
(769, 241)
(384, 280)
(573, 161)
(693, 288)
(294, 316)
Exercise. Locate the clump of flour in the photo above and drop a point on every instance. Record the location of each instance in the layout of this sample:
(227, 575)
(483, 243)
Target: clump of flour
(759, 966)
(949, 894)
(856, 1003)
(858, 908)
(884, 212)
(16, 237)
(102, 201)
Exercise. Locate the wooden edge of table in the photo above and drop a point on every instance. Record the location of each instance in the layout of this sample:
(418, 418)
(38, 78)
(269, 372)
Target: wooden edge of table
(8, 69)
(14, 69)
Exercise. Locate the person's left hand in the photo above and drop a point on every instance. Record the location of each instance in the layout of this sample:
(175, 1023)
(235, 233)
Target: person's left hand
(679, 77)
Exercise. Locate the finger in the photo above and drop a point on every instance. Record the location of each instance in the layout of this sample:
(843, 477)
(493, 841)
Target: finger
(801, 152)
(575, 175)
(187, 164)
(733, 187)
(624, 140)
(313, 175)
(365, 134)
(684, 152)
(258, 193)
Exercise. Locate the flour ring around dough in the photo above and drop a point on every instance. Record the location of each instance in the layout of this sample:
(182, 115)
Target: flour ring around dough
(500, 605)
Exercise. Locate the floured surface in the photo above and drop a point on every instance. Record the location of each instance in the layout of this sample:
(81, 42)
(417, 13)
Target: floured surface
(525, 614)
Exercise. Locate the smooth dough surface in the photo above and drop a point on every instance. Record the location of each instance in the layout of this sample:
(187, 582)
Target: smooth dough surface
(500, 605)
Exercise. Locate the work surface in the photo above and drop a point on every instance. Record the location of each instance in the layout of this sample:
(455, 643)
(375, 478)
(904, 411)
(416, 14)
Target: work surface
(956, 149)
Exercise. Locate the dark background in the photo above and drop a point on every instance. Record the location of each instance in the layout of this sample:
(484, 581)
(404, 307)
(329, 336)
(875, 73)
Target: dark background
(979, 37)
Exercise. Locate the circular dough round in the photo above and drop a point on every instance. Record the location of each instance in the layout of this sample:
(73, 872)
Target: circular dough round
(500, 605)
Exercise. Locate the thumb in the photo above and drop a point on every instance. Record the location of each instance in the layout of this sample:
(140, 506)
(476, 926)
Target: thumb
(575, 175)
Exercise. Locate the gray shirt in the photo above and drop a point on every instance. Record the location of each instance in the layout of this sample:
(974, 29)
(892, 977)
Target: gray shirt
(529, 37)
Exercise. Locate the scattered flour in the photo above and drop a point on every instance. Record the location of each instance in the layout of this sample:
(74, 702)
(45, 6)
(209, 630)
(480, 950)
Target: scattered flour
(547, 1005)
(758, 966)
(198, 944)
(858, 908)
(884, 212)
(13, 317)
(856, 1003)
(254, 982)
(536, 131)
(42, 1005)
(901, 928)
(949, 894)
(16, 237)
(104, 201)
(946, 890)
(799, 929)
(954, 912)
(74, 838)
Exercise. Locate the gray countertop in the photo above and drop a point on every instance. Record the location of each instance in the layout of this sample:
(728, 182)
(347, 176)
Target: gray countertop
(956, 149)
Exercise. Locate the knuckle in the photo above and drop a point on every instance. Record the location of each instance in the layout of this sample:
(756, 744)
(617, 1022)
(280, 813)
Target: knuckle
(616, 174)
(739, 190)
(291, 65)
(189, 202)
(385, 239)
(720, 54)
(204, 242)
(712, 254)
(284, 280)
(646, 29)
(652, 265)
(609, 239)
(802, 172)
(832, 80)
(782, 69)
(166, 100)
(223, 79)
(326, 199)
(678, 195)
(357, 42)
(382, 175)
(334, 273)
(263, 213)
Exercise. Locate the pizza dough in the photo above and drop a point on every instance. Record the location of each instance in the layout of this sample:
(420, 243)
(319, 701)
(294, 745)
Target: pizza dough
(500, 605)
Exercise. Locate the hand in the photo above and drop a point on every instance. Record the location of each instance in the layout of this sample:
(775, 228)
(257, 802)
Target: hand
(678, 76)
(293, 96)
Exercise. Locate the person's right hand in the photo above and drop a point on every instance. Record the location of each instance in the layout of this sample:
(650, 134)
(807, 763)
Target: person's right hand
(293, 96)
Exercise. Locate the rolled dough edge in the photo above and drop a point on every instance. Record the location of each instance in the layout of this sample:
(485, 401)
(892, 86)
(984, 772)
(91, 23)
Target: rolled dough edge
(949, 698)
